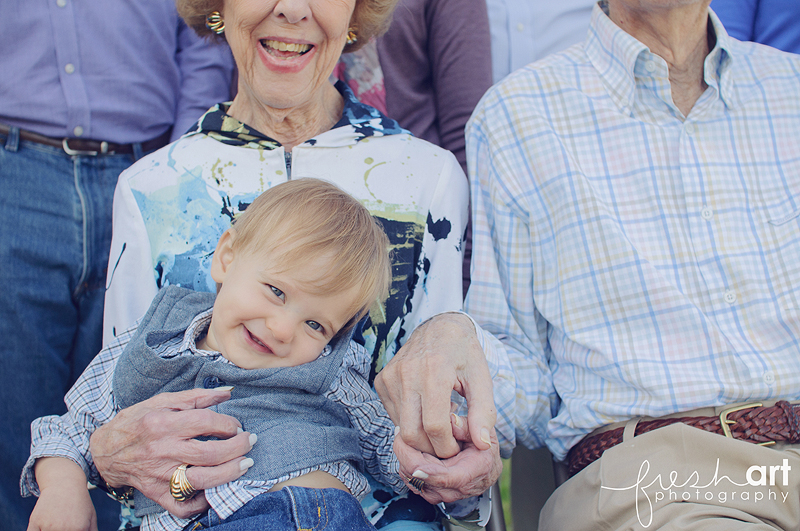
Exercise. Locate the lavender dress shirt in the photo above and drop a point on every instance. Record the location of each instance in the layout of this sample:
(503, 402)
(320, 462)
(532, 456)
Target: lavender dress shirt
(116, 71)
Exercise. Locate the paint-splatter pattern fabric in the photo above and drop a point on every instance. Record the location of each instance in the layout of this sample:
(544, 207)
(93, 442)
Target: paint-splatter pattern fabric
(171, 207)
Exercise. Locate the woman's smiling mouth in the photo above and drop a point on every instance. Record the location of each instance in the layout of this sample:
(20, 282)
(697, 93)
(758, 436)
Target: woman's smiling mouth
(285, 50)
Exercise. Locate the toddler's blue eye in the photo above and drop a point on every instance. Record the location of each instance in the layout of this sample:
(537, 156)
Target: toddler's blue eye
(314, 325)
(278, 293)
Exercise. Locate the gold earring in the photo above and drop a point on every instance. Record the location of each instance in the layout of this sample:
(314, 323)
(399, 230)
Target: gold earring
(215, 23)
(352, 38)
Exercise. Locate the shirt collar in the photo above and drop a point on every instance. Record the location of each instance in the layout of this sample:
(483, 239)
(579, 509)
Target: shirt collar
(196, 330)
(364, 122)
(619, 58)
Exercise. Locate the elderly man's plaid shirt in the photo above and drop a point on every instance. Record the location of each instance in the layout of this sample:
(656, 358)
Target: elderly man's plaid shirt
(630, 260)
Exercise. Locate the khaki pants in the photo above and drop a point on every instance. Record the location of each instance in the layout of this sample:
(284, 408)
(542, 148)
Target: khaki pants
(679, 477)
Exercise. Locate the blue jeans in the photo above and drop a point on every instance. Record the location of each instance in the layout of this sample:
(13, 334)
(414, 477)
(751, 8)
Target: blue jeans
(293, 508)
(55, 233)
(384, 509)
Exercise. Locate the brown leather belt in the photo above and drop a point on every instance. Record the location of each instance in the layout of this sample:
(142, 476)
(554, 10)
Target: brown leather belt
(91, 148)
(753, 423)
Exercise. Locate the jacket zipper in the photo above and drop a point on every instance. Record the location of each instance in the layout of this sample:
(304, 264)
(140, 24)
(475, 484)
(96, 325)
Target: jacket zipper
(287, 156)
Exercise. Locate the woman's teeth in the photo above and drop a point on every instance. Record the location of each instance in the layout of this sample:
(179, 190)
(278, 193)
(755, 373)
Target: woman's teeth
(293, 47)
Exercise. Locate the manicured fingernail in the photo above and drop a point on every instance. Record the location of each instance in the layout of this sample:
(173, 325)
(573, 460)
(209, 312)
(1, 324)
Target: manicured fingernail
(253, 439)
(419, 474)
(245, 463)
(485, 436)
(456, 420)
(239, 430)
(396, 431)
(224, 388)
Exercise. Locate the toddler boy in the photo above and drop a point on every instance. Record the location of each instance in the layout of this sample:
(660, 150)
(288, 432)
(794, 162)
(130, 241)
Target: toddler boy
(295, 273)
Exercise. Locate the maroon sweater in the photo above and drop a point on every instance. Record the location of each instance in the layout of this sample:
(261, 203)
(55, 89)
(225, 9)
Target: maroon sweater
(436, 62)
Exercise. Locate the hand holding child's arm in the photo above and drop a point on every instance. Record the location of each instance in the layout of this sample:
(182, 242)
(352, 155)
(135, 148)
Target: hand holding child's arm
(64, 502)
(144, 444)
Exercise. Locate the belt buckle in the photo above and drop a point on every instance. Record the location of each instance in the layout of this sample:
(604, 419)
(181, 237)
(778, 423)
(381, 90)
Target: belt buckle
(725, 423)
(76, 152)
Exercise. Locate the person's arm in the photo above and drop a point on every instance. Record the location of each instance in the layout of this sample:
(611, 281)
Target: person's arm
(206, 77)
(416, 384)
(459, 49)
(502, 302)
(368, 417)
(60, 462)
(437, 289)
(144, 444)
(130, 281)
(90, 404)
(443, 355)
(64, 503)
(450, 352)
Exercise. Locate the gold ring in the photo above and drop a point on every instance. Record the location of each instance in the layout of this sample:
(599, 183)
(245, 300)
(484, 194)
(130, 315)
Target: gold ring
(179, 485)
(417, 483)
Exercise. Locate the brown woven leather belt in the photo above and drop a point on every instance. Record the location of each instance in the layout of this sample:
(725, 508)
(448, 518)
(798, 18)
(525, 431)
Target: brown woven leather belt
(752, 423)
(92, 148)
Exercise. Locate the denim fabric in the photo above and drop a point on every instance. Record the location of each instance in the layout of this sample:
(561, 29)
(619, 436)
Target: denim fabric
(293, 508)
(55, 219)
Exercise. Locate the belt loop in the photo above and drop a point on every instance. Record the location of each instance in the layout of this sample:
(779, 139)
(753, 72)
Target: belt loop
(12, 141)
(137, 151)
(630, 429)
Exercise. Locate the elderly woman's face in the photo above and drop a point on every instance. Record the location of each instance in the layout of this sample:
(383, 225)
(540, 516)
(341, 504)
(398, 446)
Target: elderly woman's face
(286, 49)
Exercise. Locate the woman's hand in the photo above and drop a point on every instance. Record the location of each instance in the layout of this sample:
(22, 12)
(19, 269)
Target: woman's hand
(469, 473)
(144, 444)
(442, 354)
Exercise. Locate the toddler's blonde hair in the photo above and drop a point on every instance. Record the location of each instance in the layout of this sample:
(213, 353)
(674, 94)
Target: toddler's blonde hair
(310, 218)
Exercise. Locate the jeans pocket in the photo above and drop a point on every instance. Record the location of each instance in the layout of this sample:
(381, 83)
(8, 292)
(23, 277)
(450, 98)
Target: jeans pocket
(320, 509)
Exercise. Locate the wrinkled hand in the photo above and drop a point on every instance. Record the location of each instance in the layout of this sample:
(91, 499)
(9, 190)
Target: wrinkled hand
(144, 444)
(442, 354)
(469, 473)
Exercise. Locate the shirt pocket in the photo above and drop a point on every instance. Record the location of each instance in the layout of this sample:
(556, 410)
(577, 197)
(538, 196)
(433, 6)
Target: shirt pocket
(785, 214)
(780, 239)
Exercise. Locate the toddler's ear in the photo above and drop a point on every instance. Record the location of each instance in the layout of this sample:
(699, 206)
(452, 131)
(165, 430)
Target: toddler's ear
(223, 256)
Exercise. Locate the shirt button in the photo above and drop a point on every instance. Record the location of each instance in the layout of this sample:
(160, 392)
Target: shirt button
(707, 213)
(61, 3)
(211, 382)
(691, 129)
(69, 68)
(78, 130)
(769, 377)
(730, 296)
(650, 66)
(520, 27)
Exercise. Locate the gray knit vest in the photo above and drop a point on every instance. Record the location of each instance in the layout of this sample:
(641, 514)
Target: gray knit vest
(297, 427)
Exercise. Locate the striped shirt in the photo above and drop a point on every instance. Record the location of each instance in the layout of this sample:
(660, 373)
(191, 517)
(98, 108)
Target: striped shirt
(91, 404)
(629, 260)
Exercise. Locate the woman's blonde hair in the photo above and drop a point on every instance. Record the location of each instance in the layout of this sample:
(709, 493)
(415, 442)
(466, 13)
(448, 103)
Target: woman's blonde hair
(371, 18)
(307, 219)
